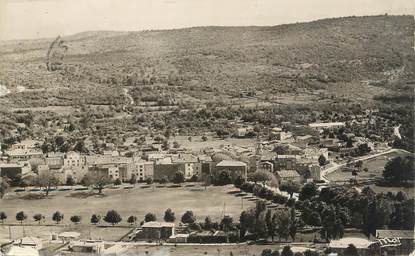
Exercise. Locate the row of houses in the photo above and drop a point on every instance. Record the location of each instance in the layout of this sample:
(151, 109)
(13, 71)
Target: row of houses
(154, 165)
(288, 160)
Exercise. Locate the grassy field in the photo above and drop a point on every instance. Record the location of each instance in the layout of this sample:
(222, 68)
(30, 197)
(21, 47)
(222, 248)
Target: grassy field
(375, 168)
(213, 202)
(199, 250)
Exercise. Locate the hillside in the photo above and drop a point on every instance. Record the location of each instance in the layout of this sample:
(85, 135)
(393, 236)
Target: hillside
(323, 62)
(343, 49)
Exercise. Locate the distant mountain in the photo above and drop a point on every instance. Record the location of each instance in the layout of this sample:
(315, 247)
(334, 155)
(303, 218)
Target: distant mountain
(372, 49)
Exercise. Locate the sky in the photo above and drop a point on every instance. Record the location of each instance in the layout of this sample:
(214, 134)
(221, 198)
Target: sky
(27, 19)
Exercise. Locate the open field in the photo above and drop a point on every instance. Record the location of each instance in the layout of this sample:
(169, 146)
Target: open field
(375, 168)
(213, 202)
(199, 250)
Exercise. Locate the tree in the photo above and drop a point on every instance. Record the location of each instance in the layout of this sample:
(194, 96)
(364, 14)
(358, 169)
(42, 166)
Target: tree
(46, 181)
(4, 185)
(165, 145)
(260, 226)
(308, 191)
(169, 216)
(363, 149)
(354, 173)
(269, 252)
(266, 252)
(239, 181)
(178, 177)
(286, 251)
(95, 219)
(99, 182)
(291, 187)
(283, 225)
(3, 217)
(208, 223)
(204, 138)
(150, 217)
(359, 164)
(133, 180)
(322, 160)
(38, 217)
(176, 144)
(70, 181)
(271, 223)
(226, 223)
(311, 253)
(223, 179)
(188, 217)
(292, 230)
(399, 170)
(75, 219)
(351, 250)
(132, 219)
(247, 221)
(117, 182)
(21, 216)
(87, 180)
(349, 143)
(264, 177)
(401, 196)
(149, 181)
(314, 219)
(57, 217)
(112, 217)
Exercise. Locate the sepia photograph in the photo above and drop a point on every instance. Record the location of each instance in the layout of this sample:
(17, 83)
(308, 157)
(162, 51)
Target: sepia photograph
(207, 127)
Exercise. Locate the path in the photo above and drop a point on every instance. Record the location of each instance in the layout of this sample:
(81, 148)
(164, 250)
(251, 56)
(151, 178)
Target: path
(396, 131)
(127, 94)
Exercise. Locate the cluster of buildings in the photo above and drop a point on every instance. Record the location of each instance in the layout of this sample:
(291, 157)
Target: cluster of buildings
(290, 156)
(25, 159)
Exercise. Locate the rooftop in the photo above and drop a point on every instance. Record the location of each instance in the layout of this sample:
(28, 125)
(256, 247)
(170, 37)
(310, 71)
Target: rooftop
(322, 125)
(69, 234)
(28, 240)
(204, 158)
(20, 152)
(183, 158)
(22, 251)
(231, 163)
(156, 224)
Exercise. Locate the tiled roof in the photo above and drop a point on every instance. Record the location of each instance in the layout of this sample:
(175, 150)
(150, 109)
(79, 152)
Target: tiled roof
(231, 163)
(156, 224)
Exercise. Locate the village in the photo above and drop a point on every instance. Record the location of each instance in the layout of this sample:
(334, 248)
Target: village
(207, 128)
(271, 174)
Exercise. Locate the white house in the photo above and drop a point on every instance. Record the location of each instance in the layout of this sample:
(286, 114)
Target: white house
(73, 159)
